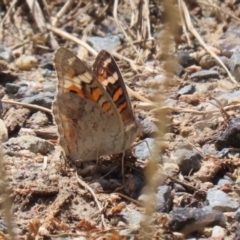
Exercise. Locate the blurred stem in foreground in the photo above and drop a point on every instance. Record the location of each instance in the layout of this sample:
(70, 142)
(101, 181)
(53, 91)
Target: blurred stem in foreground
(5, 197)
(154, 174)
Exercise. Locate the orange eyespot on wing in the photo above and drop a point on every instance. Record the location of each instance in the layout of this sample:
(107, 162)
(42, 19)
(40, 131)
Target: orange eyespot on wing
(106, 106)
(117, 94)
(122, 107)
(96, 94)
(77, 90)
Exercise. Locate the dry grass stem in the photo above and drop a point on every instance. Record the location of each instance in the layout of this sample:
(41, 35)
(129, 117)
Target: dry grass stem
(86, 186)
(62, 11)
(115, 6)
(27, 105)
(7, 15)
(199, 38)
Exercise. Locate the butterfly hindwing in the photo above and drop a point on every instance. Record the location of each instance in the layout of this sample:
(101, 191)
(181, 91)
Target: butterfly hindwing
(109, 75)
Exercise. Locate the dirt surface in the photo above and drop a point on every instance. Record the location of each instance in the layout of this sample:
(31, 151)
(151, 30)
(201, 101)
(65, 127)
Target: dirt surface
(180, 60)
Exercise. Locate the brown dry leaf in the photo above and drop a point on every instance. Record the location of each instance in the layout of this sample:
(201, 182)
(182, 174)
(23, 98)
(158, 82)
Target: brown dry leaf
(38, 39)
(113, 198)
(3, 65)
(226, 188)
(207, 61)
(186, 131)
(192, 69)
(113, 235)
(199, 54)
(190, 99)
(117, 209)
(3, 236)
(208, 171)
(163, 220)
(57, 224)
(33, 227)
(88, 225)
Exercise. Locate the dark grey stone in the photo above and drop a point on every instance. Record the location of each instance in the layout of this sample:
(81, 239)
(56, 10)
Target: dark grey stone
(178, 69)
(188, 89)
(43, 99)
(223, 153)
(186, 60)
(236, 215)
(31, 143)
(11, 88)
(204, 75)
(187, 160)
(164, 199)
(149, 128)
(20, 175)
(230, 136)
(189, 220)
(234, 63)
(24, 91)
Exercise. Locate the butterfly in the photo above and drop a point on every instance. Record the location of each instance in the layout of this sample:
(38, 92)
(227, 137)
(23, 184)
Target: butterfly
(92, 109)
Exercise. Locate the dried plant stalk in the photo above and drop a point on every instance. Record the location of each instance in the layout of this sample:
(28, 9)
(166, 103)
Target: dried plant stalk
(5, 195)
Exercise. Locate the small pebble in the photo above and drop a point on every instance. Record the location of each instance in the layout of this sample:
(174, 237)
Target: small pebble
(187, 160)
(230, 137)
(6, 54)
(108, 43)
(26, 62)
(188, 89)
(219, 200)
(142, 150)
(186, 60)
(218, 233)
(11, 88)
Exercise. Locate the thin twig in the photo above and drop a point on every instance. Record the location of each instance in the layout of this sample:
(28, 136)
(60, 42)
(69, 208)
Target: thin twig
(220, 10)
(4, 19)
(68, 36)
(198, 37)
(27, 105)
(220, 106)
(115, 6)
(183, 23)
(129, 199)
(86, 186)
(62, 11)
(94, 53)
(37, 14)
(186, 185)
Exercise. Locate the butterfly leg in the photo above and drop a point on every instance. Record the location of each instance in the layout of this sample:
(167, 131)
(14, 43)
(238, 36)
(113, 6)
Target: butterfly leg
(123, 178)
